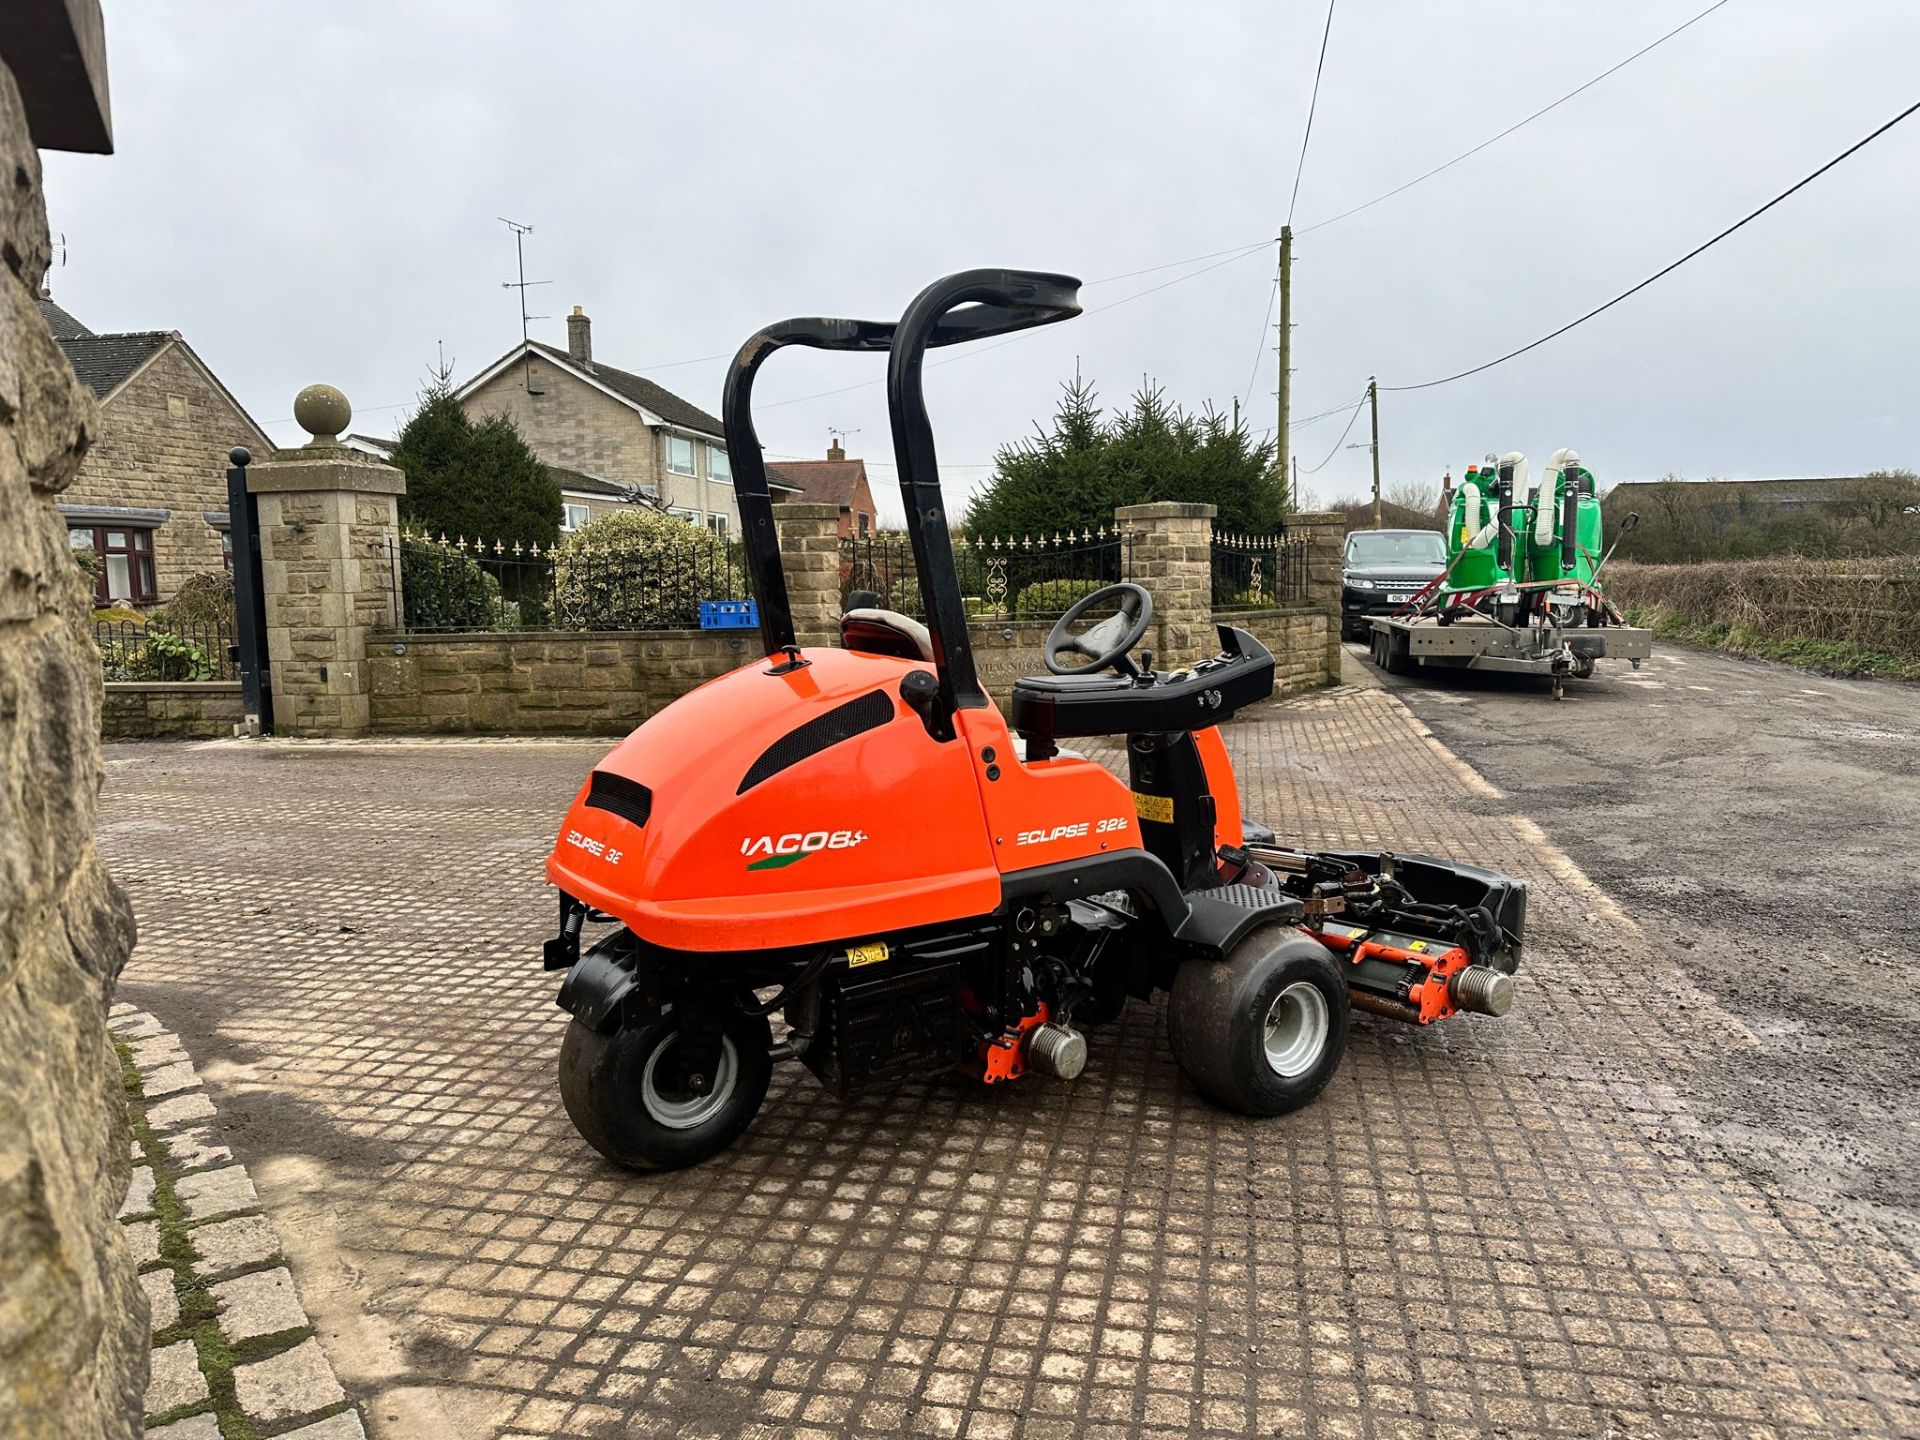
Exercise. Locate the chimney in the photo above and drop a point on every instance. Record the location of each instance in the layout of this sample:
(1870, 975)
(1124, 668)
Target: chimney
(835, 450)
(580, 337)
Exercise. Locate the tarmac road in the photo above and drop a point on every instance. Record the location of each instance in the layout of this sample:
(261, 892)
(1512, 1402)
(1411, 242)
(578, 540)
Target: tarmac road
(1759, 822)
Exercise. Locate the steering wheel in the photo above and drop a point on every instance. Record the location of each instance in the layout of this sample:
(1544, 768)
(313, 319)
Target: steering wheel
(1107, 642)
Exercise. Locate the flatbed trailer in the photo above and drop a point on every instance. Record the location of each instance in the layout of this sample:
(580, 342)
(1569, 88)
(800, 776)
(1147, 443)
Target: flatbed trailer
(1468, 640)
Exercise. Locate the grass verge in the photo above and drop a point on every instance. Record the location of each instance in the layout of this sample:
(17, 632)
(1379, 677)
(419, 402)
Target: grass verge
(1828, 657)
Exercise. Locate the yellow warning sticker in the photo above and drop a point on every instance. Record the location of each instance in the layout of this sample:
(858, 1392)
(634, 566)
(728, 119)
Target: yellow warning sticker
(1418, 945)
(867, 954)
(1153, 807)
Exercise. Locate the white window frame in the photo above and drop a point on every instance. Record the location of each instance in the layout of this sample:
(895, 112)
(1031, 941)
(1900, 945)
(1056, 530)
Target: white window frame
(717, 523)
(719, 467)
(680, 512)
(672, 442)
(568, 524)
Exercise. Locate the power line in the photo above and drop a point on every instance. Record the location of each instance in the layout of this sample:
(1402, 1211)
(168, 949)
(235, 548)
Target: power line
(1399, 189)
(1259, 353)
(976, 352)
(1312, 105)
(1669, 269)
(1295, 425)
(1341, 441)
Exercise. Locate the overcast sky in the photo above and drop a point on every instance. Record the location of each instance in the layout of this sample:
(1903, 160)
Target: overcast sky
(309, 193)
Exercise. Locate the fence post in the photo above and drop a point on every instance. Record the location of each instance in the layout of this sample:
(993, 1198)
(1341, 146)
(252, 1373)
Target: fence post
(329, 517)
(810, 554)
(1324, 532)
(1173, 558)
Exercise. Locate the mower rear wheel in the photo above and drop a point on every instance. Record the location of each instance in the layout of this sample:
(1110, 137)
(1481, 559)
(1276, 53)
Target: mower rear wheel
(631, 1096)
(1261, 1031)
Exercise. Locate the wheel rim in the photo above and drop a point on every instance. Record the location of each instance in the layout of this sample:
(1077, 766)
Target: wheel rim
(669, 1100)
(1296, 1031)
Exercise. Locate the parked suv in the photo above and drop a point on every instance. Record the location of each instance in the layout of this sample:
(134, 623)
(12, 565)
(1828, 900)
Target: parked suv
(1381, 572)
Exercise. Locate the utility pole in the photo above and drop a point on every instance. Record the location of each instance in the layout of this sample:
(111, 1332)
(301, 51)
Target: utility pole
(1373, 403)
(1283, 447)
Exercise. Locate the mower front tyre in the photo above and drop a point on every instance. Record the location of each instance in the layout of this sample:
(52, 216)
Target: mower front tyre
(1262, 1030)
(632, 1098)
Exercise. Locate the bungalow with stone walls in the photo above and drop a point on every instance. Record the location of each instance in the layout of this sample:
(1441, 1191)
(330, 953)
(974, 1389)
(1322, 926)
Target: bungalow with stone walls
(151, 498)
(614, 428)
(835, 481)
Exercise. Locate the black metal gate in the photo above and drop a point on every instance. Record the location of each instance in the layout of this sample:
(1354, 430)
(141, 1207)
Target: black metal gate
(249, 597)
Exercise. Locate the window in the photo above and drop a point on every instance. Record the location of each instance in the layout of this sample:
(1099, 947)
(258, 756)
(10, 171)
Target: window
(718, 524)
(125, 557)
(679, 455)
(718, 466)
(865, 521)
(679, 514)
(226, 548)
(573, 516)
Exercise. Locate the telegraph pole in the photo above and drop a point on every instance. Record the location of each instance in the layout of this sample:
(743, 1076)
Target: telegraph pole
(1373, 403)
(1282, 435)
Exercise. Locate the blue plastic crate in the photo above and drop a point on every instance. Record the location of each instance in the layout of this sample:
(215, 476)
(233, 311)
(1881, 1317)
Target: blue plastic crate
(729, 615)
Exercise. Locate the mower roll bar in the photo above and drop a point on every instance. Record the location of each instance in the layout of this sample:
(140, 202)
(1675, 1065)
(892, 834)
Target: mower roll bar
(972, 305)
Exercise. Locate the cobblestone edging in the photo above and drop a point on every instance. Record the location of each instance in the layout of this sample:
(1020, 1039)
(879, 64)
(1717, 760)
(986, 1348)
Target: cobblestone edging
(234, 1353)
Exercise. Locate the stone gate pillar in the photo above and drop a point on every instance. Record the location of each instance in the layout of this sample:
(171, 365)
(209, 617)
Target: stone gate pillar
(810, 554)
(1173, 558)
(1325, 534)
(329, 538)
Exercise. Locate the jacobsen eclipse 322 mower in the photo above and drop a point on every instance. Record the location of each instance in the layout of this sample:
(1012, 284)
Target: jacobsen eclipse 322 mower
(928, 885)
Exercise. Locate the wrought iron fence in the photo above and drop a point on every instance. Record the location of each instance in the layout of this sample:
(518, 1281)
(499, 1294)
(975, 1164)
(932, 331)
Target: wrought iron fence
(1030, 578)
(165, 650)
(1253, 572)
(445, 586)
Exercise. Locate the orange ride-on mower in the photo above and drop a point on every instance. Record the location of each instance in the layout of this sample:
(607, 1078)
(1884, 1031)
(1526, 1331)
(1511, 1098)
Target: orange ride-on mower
(858, 840)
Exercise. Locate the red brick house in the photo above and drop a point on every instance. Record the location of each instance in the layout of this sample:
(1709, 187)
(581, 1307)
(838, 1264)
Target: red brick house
(835, 480)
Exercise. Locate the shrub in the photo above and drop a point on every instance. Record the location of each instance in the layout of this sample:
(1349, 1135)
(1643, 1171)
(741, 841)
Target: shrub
(639, 570)
(204, 599)
(154, 655)
(447, 590)
(1046, 598)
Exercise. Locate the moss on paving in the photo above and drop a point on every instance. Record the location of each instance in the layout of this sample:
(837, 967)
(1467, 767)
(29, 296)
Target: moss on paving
(1840, 658)
(198, 1310)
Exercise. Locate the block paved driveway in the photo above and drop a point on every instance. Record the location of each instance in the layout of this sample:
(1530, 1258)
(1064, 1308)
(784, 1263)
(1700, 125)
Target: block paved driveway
(1517, 1227)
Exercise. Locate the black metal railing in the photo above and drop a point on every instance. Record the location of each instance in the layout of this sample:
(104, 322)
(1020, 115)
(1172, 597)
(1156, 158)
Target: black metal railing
(165, 650)
(457, 586)
(1255, 572)
(1029, 578)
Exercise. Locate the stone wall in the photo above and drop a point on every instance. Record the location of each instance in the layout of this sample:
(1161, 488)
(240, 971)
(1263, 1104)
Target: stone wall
(550, 682)
(1298, 636)
(73, 1325)
(170, 710)
(162, 445)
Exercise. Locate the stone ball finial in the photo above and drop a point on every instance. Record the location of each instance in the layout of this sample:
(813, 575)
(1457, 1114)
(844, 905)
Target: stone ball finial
(323, 412)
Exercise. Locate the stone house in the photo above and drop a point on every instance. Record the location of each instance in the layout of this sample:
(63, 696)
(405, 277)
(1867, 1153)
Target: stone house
(151, 499)
(612, 438)
(836, 481)
(583, 497)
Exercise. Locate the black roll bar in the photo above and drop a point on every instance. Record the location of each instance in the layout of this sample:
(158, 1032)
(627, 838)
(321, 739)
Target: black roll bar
(750, 491)
(998, 302)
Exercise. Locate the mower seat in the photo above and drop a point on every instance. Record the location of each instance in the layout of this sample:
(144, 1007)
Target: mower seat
(874, 631)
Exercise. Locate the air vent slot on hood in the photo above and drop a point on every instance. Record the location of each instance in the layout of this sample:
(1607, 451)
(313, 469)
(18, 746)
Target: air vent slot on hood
(869, 712)
(618, 795)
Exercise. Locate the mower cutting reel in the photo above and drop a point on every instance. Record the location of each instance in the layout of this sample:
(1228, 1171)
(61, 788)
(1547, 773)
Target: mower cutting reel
(856, 839)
